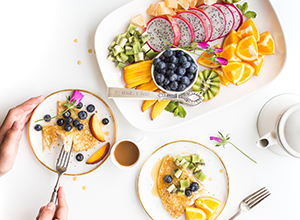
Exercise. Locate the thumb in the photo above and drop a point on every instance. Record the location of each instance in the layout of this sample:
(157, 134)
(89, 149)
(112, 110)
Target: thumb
(48, 212)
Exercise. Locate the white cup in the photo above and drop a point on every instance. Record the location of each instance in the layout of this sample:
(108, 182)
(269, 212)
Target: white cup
(119, 144)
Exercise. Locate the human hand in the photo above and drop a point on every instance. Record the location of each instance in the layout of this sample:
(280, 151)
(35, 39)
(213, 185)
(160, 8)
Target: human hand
(53, 212)
(11, 132)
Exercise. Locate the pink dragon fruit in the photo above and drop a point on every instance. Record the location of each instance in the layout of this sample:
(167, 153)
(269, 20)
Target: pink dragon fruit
(198, 24)
(161, 30)
(206, 19)
(186, 29)
(217, 19)
(230, 21)
(237, 16)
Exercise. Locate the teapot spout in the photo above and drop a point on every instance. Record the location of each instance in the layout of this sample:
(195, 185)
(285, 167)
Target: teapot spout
(266, 141)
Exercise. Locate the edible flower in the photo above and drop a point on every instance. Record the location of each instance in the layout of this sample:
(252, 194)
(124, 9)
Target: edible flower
(217, 50)
(224, 140)
(203, 45)
(71, 103)
(222, 61)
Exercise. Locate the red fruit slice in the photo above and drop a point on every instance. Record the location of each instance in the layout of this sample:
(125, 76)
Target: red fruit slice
(96, 128)
(238, 17)
(206, 19)
(186, 29)
(228, 16)
(99, 154)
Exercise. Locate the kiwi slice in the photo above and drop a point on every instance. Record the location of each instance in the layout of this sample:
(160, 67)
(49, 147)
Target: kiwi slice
(184, 183)
(208, 84)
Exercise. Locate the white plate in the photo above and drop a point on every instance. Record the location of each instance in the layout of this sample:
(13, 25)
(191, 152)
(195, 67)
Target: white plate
(217, 181)
(49, 106)
(117, 22)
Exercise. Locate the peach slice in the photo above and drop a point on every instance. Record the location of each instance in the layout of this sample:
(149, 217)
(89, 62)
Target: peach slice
(96, 128)
(158, 108)
(99, 154)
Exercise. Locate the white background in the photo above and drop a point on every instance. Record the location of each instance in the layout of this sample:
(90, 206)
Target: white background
(38, 55)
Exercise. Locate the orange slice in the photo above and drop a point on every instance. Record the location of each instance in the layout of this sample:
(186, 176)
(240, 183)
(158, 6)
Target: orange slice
(248, 73)
(248, 28)
(229, 53)
(209, 205)
(206, 62)
(231, 38)
(139, 20)
(247, 49)
(223, 79)
(193, 213)
(266, 45)
(233, 71)
(258, 63)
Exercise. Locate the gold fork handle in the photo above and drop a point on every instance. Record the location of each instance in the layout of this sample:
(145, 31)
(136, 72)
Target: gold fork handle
(55, 190)
(236, 214)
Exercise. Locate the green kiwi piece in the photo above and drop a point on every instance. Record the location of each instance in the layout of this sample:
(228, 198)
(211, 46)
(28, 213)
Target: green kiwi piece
(184, 183)
(208, 83)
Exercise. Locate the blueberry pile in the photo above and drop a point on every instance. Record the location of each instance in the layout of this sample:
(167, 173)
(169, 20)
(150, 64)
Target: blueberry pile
(174, 70)
(68, 122)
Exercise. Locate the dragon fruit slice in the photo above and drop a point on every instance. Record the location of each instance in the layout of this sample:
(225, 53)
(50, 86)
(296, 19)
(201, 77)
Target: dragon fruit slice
(206, 19)
(230, 21)
(198, 24)
(237, 16)
(162, 30)
(217, 19)
(186, 29)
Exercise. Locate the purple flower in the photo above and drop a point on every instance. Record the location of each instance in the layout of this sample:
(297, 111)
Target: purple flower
(222, 61)
(212, 138)
(203, 45)
(77, 96)
(217, 50)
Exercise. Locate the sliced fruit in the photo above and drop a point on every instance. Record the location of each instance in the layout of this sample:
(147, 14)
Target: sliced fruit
(162, 9)
(150, 86)
(209, 205)
(266, 44)
(137, 73)
(139, 20)
(234, 71)
(224, 80)
(184, 4)
(96, 128)
(248, 73)
(229, 53)
(231, 38)
(248, 28)
(206, 62)
(207, 84)
(148, 104)
(258, 63)
(99, 154)
(193, 213)
(152, 10)
(158, 108)
(171, 4)
(247, 49)
(192, 3)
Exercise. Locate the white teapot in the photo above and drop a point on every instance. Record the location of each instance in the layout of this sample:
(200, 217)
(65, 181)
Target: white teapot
(278, 125)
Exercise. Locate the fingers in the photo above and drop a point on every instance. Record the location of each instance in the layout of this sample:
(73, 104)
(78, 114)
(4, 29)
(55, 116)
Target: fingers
(62, 207)
(48, 212)
(40, 211)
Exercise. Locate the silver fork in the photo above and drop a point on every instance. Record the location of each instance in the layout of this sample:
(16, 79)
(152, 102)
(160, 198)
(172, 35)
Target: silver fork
(252, 200)
(61, 167)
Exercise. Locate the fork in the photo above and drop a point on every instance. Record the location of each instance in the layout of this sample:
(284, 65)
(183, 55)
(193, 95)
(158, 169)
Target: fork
(250, 201)
(61, 167)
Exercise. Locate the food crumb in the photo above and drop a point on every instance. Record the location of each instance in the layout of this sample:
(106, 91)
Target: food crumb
(221, 171)
(78, 62)
(75, 40)
(90, 50)
(210, 179)
(75, 178)
(84, 187)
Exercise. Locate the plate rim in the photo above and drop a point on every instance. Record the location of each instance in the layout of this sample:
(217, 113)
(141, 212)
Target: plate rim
(194, 142)
(82, 90)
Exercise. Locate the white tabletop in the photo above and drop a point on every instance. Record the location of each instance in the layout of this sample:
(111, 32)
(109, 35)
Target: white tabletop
(38, 56)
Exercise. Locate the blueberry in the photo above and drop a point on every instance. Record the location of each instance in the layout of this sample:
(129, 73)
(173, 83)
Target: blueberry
(82, 115)
(189, 58)
(47, 118)
(159, 78)
(68, 127)
(69, 120)
(90, 108)
(179, 53)
(182, 59)
(80, 127)
(79, 105)
(37, 127)
(166, 81)
(173, 59)
(188, 192)
(76, 123)
(174, 85)
(194, 186)
(193, 68)
(161, 65)
(60, 122)
(168, 179)
(169, 72)
(162, 58)
(79, 157)
(186, 64)
(179, 78)
(180, 71)
(167, 60)
(167, 88)
(173, 77)
(181, 87)
(185, 80)
(171, 66)
(168, 53)
(67, 114)
(156, 61)
(105, 121)
(190, 76)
